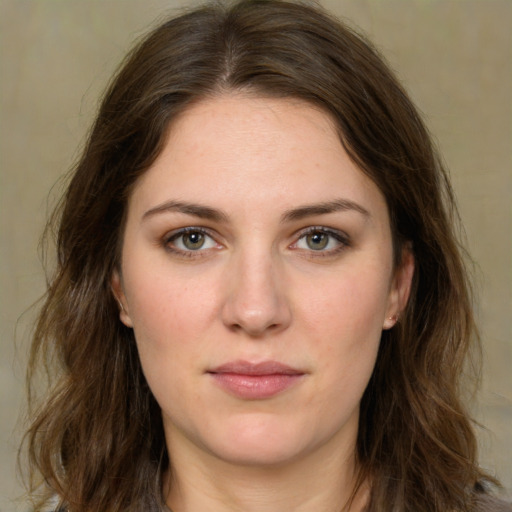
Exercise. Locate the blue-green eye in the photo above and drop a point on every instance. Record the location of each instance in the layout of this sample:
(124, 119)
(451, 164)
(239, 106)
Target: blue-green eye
(191, 239)
(321, 240)
(317, 241)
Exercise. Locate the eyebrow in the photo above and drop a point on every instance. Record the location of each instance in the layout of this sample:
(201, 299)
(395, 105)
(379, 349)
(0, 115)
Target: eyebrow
(197, 210)
(294, 214)
(337, 205)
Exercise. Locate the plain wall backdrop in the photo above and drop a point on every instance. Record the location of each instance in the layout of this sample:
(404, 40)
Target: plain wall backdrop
(453, 56)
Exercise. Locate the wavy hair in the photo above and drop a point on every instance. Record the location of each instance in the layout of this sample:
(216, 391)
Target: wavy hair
(96, 440)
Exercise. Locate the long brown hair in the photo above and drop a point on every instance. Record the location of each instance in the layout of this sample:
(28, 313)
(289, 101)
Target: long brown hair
(97, 438)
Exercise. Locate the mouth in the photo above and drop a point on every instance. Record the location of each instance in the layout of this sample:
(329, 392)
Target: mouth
(255, 381)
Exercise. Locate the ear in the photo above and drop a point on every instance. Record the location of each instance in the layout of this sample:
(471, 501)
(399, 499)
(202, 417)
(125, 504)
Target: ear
(117, 289)
(400, 288)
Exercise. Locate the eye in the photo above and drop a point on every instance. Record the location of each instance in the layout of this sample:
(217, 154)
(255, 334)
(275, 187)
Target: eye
(321, 240)
(190, 240)
(317, 241)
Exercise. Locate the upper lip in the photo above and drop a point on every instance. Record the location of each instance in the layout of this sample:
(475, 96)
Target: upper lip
(262, 368)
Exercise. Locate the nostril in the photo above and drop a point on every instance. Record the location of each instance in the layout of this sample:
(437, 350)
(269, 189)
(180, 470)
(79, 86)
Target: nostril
(253, 329)
(235, 327)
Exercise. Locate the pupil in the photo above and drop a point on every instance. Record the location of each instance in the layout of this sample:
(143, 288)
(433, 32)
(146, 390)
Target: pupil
(193, 240)
(317, 241)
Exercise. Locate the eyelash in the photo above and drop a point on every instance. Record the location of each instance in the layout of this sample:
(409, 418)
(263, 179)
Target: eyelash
(341, 238)
(172, 237)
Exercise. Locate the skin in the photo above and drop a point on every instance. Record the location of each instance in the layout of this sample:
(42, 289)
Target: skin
(259, 288)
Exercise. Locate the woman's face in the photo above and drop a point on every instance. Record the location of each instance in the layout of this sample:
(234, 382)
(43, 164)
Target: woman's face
(257, 274)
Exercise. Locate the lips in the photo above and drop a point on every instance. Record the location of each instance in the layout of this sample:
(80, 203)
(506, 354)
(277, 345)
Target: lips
(255, 381)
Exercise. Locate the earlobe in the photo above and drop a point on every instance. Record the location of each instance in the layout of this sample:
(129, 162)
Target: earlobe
(118, 292)
(390, 322)
(400, 288)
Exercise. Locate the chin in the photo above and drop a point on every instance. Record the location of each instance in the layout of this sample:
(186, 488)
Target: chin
(262, 454)
(261, 441)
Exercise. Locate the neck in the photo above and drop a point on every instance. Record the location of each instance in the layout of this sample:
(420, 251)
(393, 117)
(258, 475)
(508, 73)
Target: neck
(322, 480)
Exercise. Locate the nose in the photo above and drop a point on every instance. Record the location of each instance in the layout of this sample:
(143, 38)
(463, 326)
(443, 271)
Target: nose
(256, 302)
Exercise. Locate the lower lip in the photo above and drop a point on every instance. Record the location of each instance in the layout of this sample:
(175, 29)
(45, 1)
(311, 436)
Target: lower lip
(255, 387)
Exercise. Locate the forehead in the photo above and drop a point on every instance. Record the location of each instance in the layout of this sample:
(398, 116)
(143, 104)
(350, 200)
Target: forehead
(243, 152)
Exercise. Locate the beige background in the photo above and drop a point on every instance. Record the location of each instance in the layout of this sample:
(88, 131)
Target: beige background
(454, 56)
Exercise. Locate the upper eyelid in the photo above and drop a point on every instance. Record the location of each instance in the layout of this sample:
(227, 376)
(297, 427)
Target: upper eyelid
(175, 233)
(324, 229)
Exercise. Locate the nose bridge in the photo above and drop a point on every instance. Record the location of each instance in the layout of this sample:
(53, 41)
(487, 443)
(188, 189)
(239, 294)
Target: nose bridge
(256, 301)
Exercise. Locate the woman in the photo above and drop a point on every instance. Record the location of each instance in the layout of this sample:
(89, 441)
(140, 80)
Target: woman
(259, 301)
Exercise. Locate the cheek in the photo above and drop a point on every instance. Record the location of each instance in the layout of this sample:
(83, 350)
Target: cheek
(168, 315)
(165, 328)
(167, 305)
(344, 320)
(351, 306)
